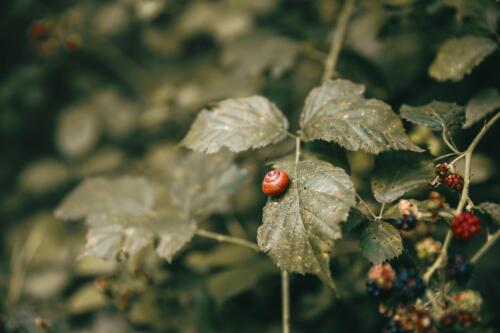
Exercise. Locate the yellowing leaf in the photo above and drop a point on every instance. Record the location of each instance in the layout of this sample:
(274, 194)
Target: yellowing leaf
(457, 57)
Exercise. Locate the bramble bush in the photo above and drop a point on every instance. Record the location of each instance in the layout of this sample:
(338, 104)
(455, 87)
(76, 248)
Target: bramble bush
(251, 166)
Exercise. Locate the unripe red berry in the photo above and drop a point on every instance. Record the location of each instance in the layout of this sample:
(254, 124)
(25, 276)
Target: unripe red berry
(465, 225)
(455, 181)
(442, 170)
(275, 182)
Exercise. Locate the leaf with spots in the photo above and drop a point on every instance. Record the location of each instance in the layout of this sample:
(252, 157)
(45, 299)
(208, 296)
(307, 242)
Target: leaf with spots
(492, 209)
(457, 57)
(300, 226)
(237, 124)
(436, 115)
(398, 173)
(380, 242)
(481, 105)
(336, 111)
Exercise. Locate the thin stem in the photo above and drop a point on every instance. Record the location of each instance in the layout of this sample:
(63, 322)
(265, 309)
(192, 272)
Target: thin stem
(444, 156)
(464, 198)
(285, 288)
(337, 39)
(448, 143)
(291, 135)
(285, 301)
(228, 239)
(486, 246)
(382, 207)
(440, 259)
(361, 201)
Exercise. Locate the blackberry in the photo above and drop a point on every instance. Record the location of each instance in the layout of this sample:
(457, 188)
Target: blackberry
(455, 181)
(406, 223)
(409, 285)
(442, 170)
(465, 225)
(394, 327)
(458, 268)
(373, 290)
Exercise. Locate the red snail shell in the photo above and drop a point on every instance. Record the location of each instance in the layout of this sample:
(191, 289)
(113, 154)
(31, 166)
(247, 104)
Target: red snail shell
(275, 182)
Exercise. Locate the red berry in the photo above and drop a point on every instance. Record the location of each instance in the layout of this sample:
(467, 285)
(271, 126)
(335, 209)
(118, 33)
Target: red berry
(275, 182)
(465, 225)
(455, 181)
(39, 30)
(442, 170)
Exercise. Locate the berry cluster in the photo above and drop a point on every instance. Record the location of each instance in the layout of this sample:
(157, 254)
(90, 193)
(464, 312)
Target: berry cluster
(404, 286)
(409, 215)
(458, 268)
(454, 181)
(411, 319)
(380, 280)
(462, 310)
(435, 203)
(465, 225)
(409, 285)
(445, 175)
(428, 249)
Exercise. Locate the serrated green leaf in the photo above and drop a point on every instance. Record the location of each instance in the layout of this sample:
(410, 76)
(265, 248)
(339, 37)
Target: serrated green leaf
(458, 56)
(435, 115)
(127, 214)
(127, 195)
(300, 227)
(380, 242)
(199, 183)
(109, 235)
(237, 124)
(481, 105)
(396, 174)
(250, 56)
(492, 209)
(336, 111)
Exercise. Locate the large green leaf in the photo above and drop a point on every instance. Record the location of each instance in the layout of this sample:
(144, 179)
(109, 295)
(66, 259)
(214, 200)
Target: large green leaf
(197, 183)
(458, 56)
(237, 124)
(435, 115)
(300, 227)
(127, 195)
(336, 111)
(492, 209)
(396, 174)
(481, 105)
(380, 242)
(127, 214)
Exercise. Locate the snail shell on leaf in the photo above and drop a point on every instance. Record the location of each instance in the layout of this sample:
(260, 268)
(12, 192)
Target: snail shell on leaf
(275, 182)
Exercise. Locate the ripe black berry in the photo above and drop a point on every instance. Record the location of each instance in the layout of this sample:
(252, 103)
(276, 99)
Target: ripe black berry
(409, 284)
(458, 268)
(394, 327)
(406, 223)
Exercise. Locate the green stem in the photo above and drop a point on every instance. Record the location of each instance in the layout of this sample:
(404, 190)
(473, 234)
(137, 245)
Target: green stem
(228, 239)
(337, 39)
(486, 246)
(285, 300)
